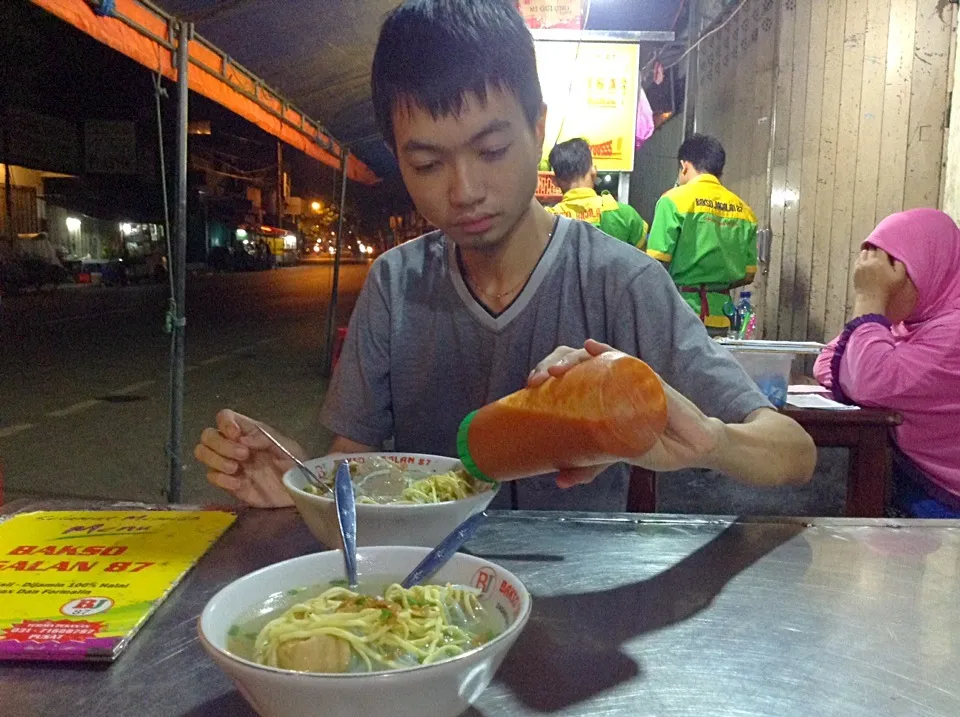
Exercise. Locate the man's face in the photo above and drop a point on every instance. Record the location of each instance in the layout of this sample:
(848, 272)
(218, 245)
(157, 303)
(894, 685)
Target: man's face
(686, 173)
(472, 175)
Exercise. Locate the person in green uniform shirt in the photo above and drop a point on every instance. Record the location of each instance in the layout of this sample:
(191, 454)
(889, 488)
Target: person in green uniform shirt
(704, 234)
(572, 163)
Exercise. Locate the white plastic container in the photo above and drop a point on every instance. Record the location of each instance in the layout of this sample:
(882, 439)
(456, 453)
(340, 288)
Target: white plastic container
(770, 370)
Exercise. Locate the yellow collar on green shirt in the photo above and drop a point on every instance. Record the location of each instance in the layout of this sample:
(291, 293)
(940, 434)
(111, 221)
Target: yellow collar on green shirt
(581, 193)
(705, 178)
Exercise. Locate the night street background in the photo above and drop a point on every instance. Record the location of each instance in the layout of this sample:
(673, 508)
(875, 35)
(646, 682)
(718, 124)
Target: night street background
(84, 376)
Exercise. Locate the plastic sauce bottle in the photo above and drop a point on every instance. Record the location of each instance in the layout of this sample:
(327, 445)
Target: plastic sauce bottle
(604, 410)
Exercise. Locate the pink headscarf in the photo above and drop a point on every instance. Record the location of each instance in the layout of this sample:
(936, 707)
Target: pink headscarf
(927, 241)
(927, 371)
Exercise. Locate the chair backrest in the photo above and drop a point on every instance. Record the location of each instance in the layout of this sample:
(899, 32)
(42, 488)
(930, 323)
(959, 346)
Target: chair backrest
(642, 493)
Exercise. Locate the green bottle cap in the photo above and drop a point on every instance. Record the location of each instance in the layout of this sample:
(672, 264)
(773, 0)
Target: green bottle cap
(463, 450)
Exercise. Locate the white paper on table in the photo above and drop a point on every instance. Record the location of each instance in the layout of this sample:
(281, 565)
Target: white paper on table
(807, 388)
(812, 400)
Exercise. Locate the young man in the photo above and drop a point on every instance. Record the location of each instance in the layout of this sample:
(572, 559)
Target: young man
(704, 234)
(466, 314)
(572, 163)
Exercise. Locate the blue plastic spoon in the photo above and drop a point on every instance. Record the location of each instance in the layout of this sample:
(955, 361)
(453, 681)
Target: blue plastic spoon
(447, 548)
(347, 517)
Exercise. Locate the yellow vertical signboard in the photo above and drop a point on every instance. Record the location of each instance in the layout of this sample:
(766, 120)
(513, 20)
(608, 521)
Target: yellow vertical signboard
(591, 90)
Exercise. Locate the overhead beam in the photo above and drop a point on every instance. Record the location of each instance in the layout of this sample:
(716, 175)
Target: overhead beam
(604, 35)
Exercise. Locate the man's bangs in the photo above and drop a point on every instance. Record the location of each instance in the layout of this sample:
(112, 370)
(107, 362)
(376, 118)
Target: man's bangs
(445, 99)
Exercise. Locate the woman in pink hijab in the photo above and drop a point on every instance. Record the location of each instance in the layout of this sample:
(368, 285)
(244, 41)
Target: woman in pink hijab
(901, 351)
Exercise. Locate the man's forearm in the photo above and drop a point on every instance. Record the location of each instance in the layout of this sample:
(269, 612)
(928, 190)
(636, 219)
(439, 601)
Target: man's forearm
(768, 449)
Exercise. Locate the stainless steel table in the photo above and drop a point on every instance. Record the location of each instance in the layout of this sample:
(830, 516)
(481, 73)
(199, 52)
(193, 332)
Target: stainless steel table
(633, 615)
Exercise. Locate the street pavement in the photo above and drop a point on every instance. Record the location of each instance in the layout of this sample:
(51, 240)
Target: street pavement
(84, 377)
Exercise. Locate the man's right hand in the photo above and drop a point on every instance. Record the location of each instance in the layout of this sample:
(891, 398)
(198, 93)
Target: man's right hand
(242, 461)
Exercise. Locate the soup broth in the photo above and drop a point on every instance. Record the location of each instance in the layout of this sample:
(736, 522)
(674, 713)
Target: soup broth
(379, 626)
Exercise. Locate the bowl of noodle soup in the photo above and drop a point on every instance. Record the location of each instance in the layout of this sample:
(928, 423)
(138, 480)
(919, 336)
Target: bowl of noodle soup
(402, 498)
(397, 652)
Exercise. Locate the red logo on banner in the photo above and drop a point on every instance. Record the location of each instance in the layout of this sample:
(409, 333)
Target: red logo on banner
(52, 630)
(547, 187)
(552, 14)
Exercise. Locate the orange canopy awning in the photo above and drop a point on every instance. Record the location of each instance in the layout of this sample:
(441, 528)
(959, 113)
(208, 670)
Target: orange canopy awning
(146, 36)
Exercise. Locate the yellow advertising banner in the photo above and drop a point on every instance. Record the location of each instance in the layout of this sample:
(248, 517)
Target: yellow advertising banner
(77, 585)
(591, 90)
(552, 14)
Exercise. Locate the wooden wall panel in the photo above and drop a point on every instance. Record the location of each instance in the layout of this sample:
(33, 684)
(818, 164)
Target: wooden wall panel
(777, 271)
(868, 168)
(928, 89)
(847, 99)
(763, 46)
(896, 106)
(793, 126)
(848, 129)
(740, 122)
(827, 184)
(816, 56)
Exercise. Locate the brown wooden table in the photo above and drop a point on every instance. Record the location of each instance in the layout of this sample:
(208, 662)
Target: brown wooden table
(865, 433)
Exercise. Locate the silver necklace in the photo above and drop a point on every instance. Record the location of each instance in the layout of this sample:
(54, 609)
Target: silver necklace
(497, 297)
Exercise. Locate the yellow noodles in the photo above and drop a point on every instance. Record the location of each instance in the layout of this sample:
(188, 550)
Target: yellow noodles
(440, 488)
(420, 489)
(421, 625)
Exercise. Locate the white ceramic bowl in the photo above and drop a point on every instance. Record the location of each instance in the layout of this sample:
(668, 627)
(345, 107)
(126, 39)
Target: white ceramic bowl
(424, 525)
(443, 689)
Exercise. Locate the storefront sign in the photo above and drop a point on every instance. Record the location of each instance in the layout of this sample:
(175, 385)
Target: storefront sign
(547, 188)
(591, 90)
(552, 14)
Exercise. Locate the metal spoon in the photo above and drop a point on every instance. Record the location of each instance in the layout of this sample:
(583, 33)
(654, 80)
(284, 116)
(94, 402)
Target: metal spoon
(347, 517)
(311, 477)
(439, 556)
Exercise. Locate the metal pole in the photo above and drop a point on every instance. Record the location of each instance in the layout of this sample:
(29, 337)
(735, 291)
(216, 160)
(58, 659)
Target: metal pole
(694, 26)
(179, 267)
(8, 227)
(279, 183)
(332, 314)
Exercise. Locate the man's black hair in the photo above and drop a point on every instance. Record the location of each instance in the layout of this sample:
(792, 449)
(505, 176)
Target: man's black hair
(571, 159)
(705, 153)
(433, 52)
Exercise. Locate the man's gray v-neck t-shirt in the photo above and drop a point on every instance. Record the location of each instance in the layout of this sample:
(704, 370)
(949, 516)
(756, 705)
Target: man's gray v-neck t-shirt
(421, 352)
